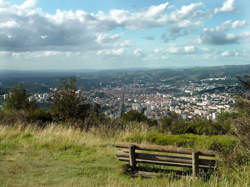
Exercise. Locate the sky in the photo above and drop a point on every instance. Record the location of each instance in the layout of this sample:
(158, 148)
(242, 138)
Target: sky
(122, 34)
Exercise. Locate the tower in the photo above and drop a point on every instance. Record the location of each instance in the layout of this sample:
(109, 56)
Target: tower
(123, 101)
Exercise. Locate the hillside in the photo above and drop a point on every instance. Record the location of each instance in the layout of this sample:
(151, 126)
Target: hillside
(60, 156)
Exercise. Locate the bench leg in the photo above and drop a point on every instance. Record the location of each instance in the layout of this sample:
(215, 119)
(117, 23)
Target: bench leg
(132, 161)
(195, 164)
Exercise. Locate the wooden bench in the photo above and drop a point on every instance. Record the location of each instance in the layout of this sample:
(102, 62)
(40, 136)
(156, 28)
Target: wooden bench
(165, 156)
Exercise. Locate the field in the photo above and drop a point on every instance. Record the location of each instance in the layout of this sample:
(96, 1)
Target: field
(60, 156)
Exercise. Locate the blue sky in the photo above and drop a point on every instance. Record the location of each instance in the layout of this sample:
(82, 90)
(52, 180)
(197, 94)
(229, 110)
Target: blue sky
(115, 34)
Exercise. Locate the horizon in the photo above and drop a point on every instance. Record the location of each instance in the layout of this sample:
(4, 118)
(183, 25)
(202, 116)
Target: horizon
(117, 70)
(40, 35)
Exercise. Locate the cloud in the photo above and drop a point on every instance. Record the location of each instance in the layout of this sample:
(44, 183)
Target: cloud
(229, 24)
(232, 53)
(125, 43)
(228, 6)
(3, 3)
(225, 53)
(173, 49)
(138, 52)
(26, 28)
(154, 11)
(102, 38)
(112, 52)
(186, 11)
(154, 16)
(219, 35)
(28, 4)
(184, 21)
(189, 48)
(9, 24)
(183, 50)
(157, 50)
(218, 38)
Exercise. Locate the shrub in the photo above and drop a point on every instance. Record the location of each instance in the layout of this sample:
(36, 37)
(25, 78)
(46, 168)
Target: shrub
(171, 123)
(39, 115)
(18, 100)
(70, 107)
(222, 143)
(134, 115)
(66, 103)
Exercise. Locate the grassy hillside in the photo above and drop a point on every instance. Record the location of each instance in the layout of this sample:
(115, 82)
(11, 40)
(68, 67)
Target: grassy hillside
(59, 156)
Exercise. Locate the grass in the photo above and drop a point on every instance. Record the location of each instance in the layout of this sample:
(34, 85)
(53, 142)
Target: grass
(223, 142)
(60, 156)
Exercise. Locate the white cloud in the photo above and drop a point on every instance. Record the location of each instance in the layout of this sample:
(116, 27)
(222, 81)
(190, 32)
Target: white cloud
(205, 49)
(156, 10)
(31, 29)
(9, 24)
(118, 51)
(173, 49)
(157, 50)
(107, 38)
(228, 6)
(238, 24)
(44, 37)
(232, 53)
(3, 3)
(189, 48)
(126, 43)
(184, 21)
(113, 52)
(219, 35)
(229, 24)
(28, 4)
(225, 53)
(138, 52)
(185, 11)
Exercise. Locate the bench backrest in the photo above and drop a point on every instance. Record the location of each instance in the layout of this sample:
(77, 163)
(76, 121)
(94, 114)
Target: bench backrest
(166, 155)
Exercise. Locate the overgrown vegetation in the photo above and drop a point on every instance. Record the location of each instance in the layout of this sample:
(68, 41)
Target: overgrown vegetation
(66, 156)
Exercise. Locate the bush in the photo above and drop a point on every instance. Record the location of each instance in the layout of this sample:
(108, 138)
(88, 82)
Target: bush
(134, 115)
(171, 123)
(222, 143)
(18, 100)
(66, 103)
(39, 115)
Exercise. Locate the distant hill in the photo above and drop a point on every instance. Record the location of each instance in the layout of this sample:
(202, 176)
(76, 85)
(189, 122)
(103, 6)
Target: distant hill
(43, 80)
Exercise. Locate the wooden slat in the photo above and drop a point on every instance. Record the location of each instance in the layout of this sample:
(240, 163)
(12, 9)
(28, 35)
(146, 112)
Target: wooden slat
(123, 159)
(167, 149)
(152, 157)
(161, 159)
(141, 161)
(167, 158)
(122, 154)
(156, 157)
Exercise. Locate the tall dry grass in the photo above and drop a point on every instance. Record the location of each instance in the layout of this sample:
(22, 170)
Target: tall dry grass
(71, 157)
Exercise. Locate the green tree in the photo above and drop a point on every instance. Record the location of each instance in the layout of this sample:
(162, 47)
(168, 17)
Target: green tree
(242, 124)
(18, 99)
(134, 115)
(66, 103)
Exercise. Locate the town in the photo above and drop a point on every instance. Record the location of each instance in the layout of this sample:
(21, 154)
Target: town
(204, 98)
